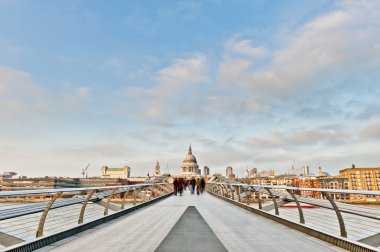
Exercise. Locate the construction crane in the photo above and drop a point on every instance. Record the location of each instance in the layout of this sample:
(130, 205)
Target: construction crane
(84, 171)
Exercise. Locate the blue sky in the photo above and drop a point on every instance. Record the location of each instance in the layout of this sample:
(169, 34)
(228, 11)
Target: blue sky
(247, 83)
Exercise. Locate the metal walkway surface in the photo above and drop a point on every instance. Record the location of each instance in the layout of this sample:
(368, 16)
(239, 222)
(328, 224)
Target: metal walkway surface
(237, 229)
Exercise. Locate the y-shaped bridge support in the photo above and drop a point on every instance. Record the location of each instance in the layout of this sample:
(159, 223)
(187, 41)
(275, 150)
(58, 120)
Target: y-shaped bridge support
(343, 231)
(302, 219)
(81, 215)
(40, 229)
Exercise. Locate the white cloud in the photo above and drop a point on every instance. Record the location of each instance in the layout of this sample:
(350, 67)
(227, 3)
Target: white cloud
(13, 81)
(264, 107)
(183, 72)
(170, 82)
(301, 138)
(20, 96)
(321, 49)
(95, 151)
(371, 131)
(74, 99)
(245, 48)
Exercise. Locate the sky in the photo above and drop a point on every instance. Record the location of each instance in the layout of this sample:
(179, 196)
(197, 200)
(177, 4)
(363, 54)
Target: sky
(248, 84)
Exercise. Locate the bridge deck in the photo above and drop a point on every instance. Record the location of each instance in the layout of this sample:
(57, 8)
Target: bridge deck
(236, 228)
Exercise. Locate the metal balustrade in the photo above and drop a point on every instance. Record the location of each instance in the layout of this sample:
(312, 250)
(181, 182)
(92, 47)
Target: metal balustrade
(357, 223)
(35, 218)
(29, 215)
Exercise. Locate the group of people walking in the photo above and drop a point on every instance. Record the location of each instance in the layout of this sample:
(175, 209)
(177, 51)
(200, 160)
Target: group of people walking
(180, 184)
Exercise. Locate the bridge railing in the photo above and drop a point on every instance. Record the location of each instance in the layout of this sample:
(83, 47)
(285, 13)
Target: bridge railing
(29, 214)
(362, 222)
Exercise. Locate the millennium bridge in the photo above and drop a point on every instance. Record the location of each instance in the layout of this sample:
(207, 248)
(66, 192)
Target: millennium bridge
(228, 216)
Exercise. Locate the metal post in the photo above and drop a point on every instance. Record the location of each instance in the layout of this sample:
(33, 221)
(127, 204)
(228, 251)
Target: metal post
(247, 196)
(108, 201)
(134, 196)
(151, 192)
(212, 188)
(80, 220)
(229, 194)
(232, 192)
(40, 229)
(160, 190)
(226, 191)
(124, 196)
(221, 190)
(302, 219)
(163, 189)
(216, 189)
(257, 194)
(239, 191)
(274, 201)
(342, 227)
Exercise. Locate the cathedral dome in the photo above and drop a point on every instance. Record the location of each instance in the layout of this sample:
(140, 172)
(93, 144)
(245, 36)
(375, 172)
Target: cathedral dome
(190, 159)
(189, 165)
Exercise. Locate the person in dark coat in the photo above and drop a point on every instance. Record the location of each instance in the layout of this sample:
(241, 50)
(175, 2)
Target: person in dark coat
(175, 186)
(198, 184)
(185, 184)
(203, 184)
(192, 184)
(180, 186)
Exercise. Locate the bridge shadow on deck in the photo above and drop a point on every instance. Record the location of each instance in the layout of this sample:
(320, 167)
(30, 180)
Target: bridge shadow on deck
(191, 233)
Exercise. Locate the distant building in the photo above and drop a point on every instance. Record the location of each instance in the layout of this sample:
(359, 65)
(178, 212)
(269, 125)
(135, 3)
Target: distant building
(367, 179)
(334, 182)
(305, 170)
(56, 182)
(206, 171)
(8, 175)
(362, 178)
(251, 173)
(322, 173)
(229, 172)
(307, 182)
(199, 171)
(266, 173)
(189, 165)
(121, 173)
(283, 180)
(157, 171)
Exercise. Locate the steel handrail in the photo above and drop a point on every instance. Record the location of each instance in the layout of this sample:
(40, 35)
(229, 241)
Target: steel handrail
(342, 191)
(94, 194)
(288, 193)
(76, 189)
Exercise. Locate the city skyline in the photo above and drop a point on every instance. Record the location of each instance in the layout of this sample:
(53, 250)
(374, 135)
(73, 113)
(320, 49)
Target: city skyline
(247, 84)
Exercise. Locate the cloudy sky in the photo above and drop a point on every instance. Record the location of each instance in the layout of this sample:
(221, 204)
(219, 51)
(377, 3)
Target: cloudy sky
(247, 83)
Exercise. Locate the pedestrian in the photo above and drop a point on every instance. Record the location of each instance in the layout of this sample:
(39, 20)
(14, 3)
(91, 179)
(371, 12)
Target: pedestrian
(203, 184)
(180, 186)
(192, 184)
(185, 184)
(175, 186)
(198, 184)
